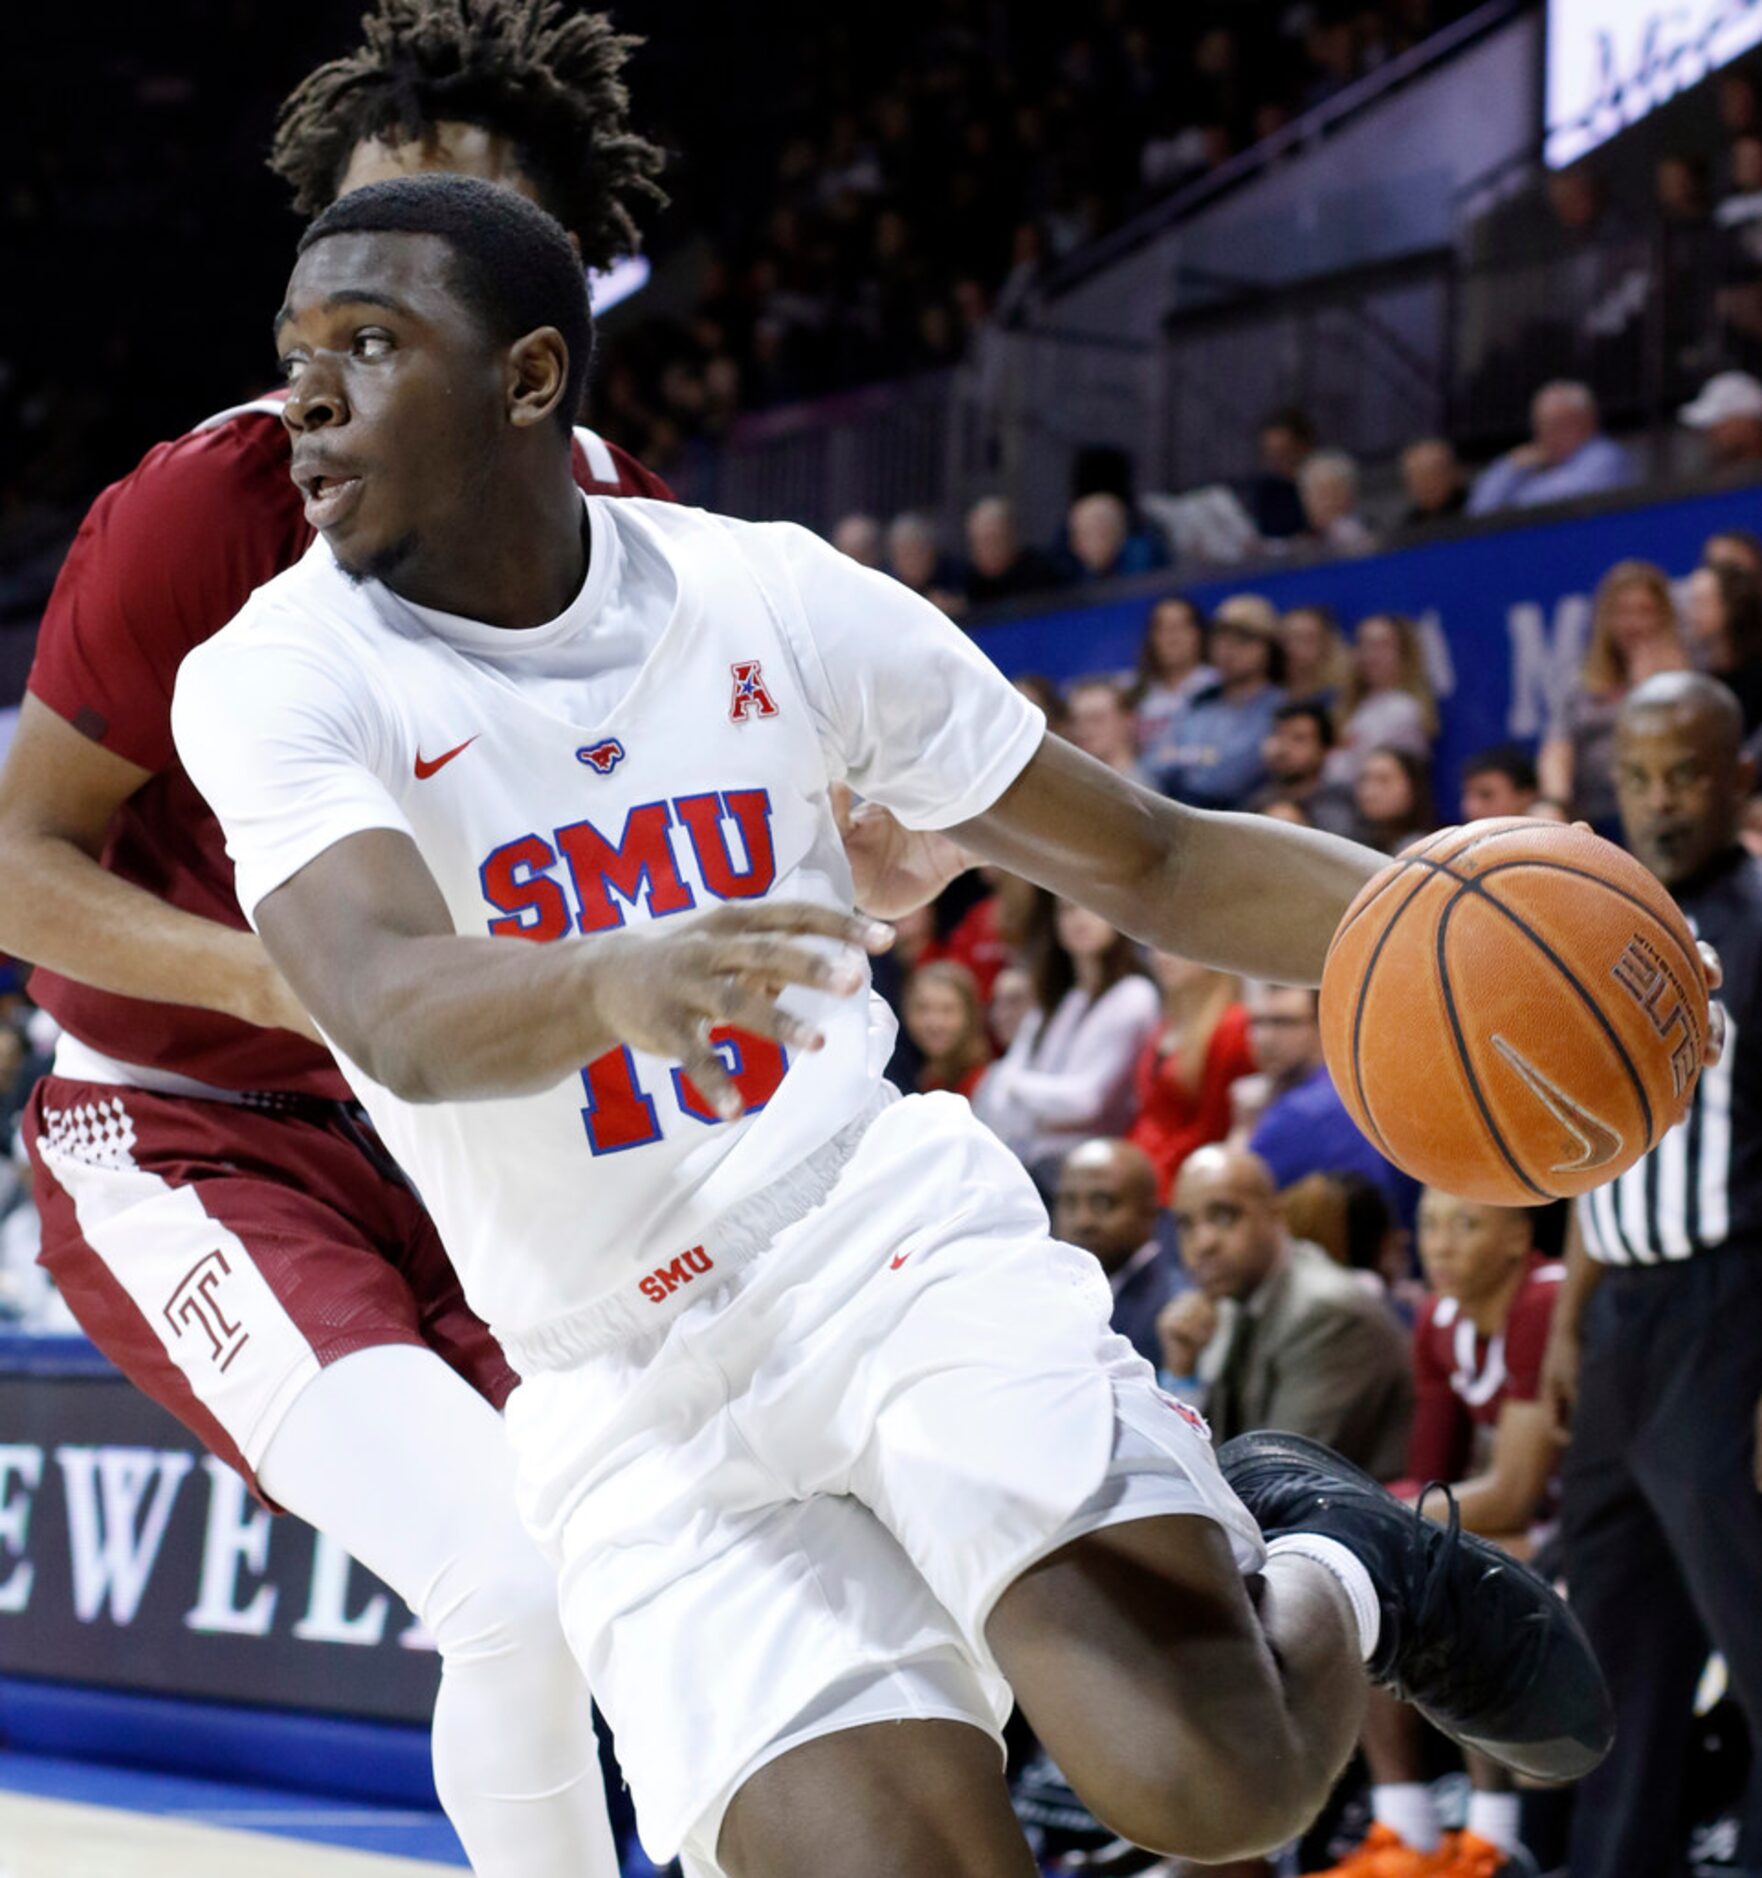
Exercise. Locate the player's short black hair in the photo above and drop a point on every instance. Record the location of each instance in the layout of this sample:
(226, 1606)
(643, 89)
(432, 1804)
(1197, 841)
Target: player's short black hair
(1510, 760)
(512, 263)
(1318, 714)
(546, 77)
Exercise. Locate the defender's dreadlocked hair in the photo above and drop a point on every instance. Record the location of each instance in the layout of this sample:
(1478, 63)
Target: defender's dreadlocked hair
(545, 78)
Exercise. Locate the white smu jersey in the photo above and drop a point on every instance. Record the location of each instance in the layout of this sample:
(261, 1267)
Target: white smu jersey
(665, 747)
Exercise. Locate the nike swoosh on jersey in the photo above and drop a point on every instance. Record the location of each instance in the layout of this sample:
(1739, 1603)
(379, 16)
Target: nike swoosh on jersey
(425, 769)
(1598, 1143)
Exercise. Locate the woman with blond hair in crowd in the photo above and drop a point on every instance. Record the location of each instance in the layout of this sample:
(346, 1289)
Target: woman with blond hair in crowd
(1635, 635)
(1171, 667)
(945, 1020)
(1183, 1077)
(1388, 702)
(1316, 662)
(1067, 1074)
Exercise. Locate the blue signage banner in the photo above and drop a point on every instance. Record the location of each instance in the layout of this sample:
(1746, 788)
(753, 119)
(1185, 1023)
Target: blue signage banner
(1505, 613)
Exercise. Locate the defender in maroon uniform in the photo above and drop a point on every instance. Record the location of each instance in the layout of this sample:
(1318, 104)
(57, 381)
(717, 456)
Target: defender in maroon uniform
(213, 1210)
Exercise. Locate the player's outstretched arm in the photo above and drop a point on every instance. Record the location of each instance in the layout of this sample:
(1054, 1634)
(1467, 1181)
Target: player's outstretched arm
(364, 936)
(1244, 893)
(60, 908)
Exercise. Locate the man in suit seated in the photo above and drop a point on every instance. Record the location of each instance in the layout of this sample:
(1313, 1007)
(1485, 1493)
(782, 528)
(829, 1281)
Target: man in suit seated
(1107, 1205)
(1282, 1336)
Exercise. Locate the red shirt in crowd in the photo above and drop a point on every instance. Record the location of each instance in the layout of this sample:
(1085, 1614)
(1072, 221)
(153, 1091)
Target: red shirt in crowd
(164, 559)
(1462, 1379)
(1173, 1121)
(975, 943)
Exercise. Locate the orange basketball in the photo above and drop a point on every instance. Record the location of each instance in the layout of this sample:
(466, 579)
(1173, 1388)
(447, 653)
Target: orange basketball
(1514, 1011)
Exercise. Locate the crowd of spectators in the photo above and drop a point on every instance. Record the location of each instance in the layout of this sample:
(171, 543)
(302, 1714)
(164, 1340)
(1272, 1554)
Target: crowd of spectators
(1184, 1126)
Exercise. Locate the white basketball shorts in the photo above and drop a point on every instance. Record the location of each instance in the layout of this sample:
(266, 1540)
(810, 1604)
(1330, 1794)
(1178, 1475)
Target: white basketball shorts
(790, 1510)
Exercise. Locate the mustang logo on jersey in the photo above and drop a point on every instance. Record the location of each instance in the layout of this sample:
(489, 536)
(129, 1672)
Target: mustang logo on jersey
(602, 758)
(750, 699)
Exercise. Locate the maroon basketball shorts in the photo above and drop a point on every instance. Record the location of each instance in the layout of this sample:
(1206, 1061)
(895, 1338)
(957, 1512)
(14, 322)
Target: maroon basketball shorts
(222, 1254)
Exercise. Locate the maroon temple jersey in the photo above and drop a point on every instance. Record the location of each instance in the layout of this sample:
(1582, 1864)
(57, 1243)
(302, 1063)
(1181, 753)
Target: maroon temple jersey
(163, 560)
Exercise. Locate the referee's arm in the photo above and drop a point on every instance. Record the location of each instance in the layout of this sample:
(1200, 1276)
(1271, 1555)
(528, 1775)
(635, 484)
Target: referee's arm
(1559, 1388)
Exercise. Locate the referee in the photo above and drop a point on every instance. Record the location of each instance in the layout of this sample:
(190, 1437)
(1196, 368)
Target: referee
(1655, 1360)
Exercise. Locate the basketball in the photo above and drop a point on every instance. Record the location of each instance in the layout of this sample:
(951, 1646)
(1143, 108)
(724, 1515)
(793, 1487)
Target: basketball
(1514, 1011)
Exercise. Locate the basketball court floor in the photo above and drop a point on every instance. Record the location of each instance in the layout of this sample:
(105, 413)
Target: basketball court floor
(64, 1819)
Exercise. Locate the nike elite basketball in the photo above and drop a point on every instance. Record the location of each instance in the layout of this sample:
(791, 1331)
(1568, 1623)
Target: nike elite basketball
(1514, 1011)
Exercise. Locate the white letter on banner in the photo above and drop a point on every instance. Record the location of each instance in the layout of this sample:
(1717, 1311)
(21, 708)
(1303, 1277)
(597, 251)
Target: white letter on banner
(235, 1537)
(1543, 668)
(106, 1490)
(327, 1618)
(15, 1520)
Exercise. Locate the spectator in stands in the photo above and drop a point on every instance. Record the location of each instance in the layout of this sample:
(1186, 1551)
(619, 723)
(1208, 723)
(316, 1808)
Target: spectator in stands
(1393, 796)
(1723, 613)
(1480, 1426)
(1499, 781)
(1728, 413)
(1011, 1000)
(914, 559)
(1655, 1356)
(1432, 480)
(1634, 634)
(1317, 663)
(1067, 1073)
(1567, 456)
(1295, 754)
(989, 934)
(1283, 1336)
(1328, 485)
(998, 566)
(1212, 755)
(1303, 1127)
(1183, 1079)
(1104, 545)
(946, 1021)
(1100, 721)
(1171, 669)
(1388, 702)
(859, 537)
(1734, 547)
(1680, 191)
(1106, 1203)
(1271, 495)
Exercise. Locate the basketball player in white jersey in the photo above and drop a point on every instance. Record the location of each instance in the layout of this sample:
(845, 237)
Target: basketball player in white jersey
(830, 1441)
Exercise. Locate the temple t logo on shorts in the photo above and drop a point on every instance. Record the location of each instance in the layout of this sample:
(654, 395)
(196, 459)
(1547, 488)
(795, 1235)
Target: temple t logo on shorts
(195, 1305)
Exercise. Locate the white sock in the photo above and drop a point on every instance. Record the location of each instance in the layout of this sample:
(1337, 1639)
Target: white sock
(1407, 1809)
(1348, 1570)
(1493, 1817)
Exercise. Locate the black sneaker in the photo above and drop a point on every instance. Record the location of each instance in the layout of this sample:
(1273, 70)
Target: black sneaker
(1474, 1640)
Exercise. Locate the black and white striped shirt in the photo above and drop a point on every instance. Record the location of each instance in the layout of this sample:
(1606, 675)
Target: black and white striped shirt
(1701, 1187)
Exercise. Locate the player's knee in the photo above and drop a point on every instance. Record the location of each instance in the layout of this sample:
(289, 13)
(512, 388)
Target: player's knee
(497, 1601)
(1212, 1787)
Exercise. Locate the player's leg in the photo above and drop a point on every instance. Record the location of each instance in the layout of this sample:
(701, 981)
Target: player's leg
(392, 1455)
(893, 1800)
(1195, 1711)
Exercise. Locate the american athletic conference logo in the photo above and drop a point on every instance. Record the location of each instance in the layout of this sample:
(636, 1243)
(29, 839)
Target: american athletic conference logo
(194, 1305)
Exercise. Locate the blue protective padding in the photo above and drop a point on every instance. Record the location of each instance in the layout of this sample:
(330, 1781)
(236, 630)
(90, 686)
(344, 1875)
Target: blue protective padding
(320, 1819)
(383, 1762)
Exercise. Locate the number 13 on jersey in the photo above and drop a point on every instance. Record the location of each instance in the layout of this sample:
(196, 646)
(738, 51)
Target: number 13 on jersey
(621, 1114)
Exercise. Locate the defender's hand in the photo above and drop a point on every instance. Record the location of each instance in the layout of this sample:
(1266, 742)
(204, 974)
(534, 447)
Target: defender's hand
(665, 995)
(895, 869)
(1715, 1011)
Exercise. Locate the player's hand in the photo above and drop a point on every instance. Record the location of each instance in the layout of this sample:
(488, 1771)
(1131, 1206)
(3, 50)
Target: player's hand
(1559, 1381)
(895, 869)
(665, 994)
(1184, 1326)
